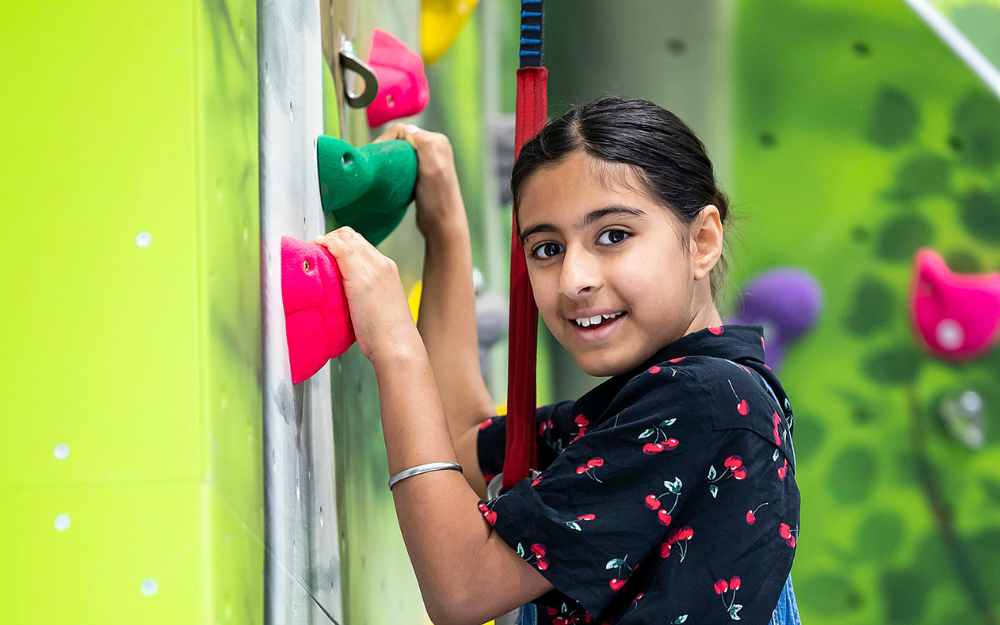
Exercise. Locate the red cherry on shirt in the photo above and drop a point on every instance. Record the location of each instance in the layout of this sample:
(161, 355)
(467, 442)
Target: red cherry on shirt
(485, 424)
(652, 502)
(637, 597)
(677, 360)
(665, 550)
(776, 419)
(790, 541)
(734, 584)
(777, 437)
(762, 344)
(782, 471)
(551, 611)
(751, 519)
(483, 508)
(740, 473)
(743, 407)
(542, 564)
(733, 462)
(671, 443)
(785, 531)
(491, 517)
(654, 369)
(663, 517)
(535, 481)
(721, 586)
(717, 330)
(538, 549)
(595, 462)
(581, 420)
(652, 448)
(616, 584)
(685, 533)
(581, 469)
(560, 620)
(586, 517)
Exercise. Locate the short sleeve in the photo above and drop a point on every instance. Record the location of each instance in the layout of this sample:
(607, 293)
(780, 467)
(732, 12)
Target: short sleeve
(604, 505)
(556, 428)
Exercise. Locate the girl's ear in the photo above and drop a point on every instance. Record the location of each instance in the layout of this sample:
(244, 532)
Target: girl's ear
(706, 240)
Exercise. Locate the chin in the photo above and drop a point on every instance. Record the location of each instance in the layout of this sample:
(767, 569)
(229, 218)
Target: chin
(602, 365)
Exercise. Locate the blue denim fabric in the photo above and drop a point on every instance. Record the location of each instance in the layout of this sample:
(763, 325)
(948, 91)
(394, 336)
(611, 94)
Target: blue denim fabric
(787, 612)
(529, 614)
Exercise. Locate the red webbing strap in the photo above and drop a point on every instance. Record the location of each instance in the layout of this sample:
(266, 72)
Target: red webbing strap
(521, 454)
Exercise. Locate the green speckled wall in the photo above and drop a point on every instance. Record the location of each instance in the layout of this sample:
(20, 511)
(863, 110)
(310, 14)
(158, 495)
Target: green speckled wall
(859, 137)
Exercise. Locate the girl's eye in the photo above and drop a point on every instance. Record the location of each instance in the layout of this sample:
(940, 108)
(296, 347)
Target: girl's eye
(612, 237)
(546, 250)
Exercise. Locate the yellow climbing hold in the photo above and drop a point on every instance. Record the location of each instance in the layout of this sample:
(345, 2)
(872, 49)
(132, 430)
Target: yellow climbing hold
(440, 23)
(413, 299)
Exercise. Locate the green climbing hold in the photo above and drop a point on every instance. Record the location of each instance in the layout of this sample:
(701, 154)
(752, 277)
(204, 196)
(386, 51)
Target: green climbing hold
(366, 188)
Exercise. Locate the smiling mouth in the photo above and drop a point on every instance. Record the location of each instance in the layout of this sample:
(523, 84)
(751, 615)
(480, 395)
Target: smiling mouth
(597, 321)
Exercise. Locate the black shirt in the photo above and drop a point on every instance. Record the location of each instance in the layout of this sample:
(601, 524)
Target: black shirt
(667, 494)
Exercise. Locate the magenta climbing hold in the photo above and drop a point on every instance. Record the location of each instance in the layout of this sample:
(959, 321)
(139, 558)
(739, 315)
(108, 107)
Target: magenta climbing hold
(956, 316)
(317, 319)
(402, 84)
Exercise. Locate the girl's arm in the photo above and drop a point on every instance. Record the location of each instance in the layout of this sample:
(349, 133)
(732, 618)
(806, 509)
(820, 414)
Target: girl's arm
(467, 574)
(447, 319)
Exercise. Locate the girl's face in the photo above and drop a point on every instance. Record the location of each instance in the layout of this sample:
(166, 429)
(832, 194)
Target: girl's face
(615, 274)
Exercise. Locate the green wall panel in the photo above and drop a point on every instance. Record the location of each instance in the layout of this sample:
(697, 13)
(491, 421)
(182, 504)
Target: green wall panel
(129, 316)
(859, 137)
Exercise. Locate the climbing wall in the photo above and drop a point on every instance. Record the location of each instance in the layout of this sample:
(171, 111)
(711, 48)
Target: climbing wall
(378, 582)
(130, 466)
(859, 137)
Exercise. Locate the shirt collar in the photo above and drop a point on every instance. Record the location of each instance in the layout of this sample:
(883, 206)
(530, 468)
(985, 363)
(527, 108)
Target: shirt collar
(739, 343)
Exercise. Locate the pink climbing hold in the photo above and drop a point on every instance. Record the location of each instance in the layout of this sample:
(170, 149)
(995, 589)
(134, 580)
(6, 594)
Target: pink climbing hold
(402, 84)
(317, 319)
(957, 316)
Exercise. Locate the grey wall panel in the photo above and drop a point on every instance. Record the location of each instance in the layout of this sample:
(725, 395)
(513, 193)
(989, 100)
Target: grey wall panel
(302, 571)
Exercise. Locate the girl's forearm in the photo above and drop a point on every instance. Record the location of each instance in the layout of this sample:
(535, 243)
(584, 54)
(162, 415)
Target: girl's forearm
(447, 325)
(455, 554)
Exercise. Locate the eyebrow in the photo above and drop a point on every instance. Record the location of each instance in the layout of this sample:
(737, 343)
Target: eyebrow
(586, 220)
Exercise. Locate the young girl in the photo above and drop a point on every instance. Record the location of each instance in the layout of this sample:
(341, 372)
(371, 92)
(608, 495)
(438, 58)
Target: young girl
(667, 494)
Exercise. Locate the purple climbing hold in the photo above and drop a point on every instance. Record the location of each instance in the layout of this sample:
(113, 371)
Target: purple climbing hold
(786, 301)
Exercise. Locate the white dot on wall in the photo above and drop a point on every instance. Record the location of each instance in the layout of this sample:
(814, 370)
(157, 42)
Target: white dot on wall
(143, 239)
(949, 334)
(149, 587)
(62, 522)
(61, 452)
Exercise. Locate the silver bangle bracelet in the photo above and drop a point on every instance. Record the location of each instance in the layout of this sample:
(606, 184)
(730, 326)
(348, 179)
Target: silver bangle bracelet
(424, 468)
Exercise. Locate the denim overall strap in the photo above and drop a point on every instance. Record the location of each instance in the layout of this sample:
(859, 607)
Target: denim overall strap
(786, 612)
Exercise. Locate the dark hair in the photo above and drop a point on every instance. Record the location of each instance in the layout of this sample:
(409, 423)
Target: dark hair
(668, 159)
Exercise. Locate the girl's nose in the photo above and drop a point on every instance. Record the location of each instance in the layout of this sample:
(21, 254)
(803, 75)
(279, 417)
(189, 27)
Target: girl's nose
(580, 274)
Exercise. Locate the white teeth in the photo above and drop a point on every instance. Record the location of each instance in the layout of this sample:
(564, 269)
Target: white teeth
(586, 322)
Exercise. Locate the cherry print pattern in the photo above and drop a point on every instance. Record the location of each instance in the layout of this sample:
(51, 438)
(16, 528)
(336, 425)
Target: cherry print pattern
(654, 370)
(752, 514)
(485, 424)
(786, 532)
(573, 525)
(589, 469)
(624, 571)
(742, 406)
(686, 390)
(680, 537)
(581, 422)
(653, 501)
(717, 330)
(491, 515)
(722, 587)
(537, 554)
(734, 468)
(545, 426)
(657, 446)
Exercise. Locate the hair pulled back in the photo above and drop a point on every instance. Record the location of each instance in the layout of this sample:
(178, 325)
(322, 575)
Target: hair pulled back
(666, 156)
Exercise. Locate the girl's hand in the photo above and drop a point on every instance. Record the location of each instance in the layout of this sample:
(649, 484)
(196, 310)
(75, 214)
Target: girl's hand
(439, 199)
(379, 312)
